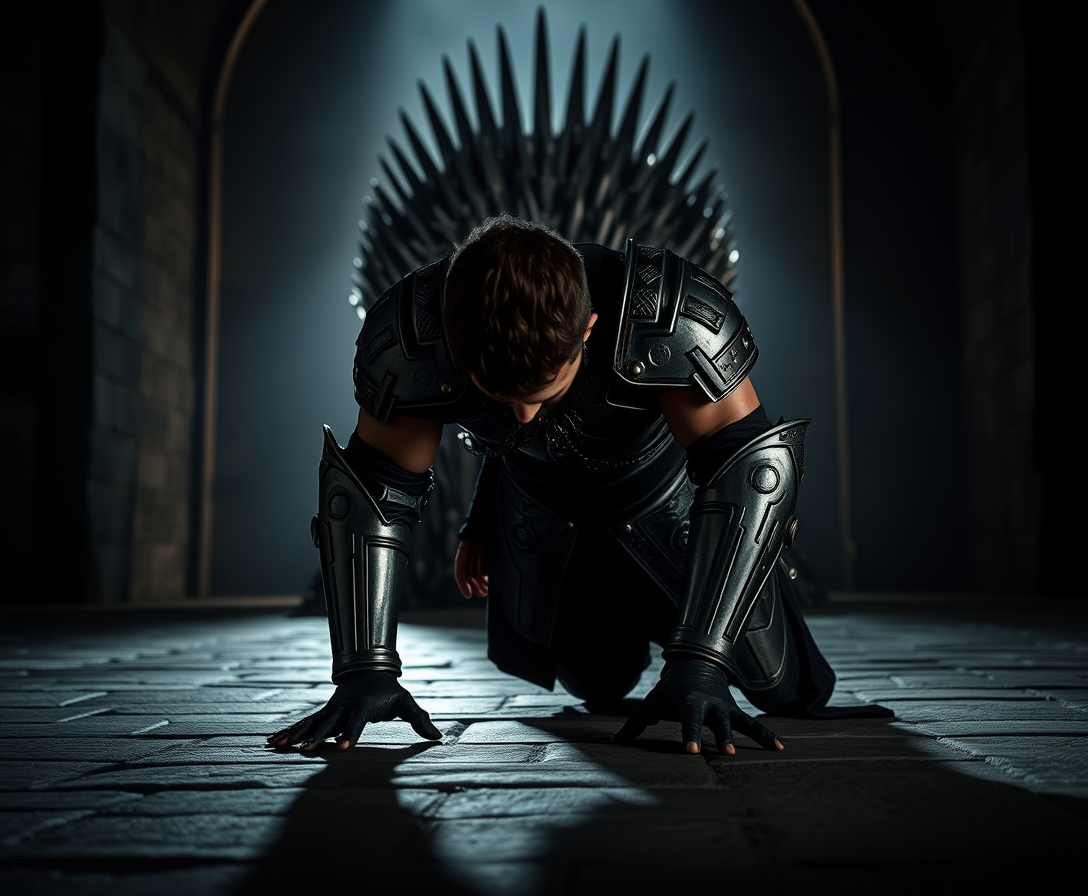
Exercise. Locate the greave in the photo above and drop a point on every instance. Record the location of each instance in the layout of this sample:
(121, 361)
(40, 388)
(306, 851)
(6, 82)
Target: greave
(364, 533)
(740, 521)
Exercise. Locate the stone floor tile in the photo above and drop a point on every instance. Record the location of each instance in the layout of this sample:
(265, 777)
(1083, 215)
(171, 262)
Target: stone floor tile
(1059, 759)
(163, 838)
(633, 836)
(31, 774)
(22, 824)
(1003, 728)
(152, 778)
(1051, 679)
(209, 880)
(85, 749)
(505, 802)
(45, 699)
(528, 796)
(593, 878)
(921, 709)
(63, 801)
(889, 695)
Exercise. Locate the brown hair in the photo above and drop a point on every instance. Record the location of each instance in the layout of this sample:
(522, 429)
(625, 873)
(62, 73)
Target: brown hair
(517, 304)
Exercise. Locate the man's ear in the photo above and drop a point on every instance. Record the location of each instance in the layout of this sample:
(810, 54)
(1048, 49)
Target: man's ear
(589, 326)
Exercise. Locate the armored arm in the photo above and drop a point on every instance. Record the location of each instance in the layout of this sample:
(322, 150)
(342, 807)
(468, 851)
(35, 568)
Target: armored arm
(367, 508)
(363, 530)
(741, 518)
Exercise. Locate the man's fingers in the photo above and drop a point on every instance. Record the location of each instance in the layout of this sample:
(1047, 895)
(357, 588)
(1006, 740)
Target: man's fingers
(424, 727)
(324, 728)
(287, 737)
(417, 717)
(718, 722)
(353, 730)
(691, 728)
(757, 731)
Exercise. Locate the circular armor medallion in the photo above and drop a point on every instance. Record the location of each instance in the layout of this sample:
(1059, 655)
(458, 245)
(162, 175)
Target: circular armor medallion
(660, 354)
(764, 479)
(523, 537)
(339, 505)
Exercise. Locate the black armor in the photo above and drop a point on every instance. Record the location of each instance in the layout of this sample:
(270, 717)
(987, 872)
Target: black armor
(740, 521)
(403, 362)
(364, 533)
(603, 464)
(680, 327)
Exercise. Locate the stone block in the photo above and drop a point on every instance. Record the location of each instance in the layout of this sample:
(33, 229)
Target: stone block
(81, 749)
(120, 108)
(120, 213)
(116, 260)
(65, 800)
(114, 405)
(115, 307)
(118, 158)
(167, 839)
(32, 774)
(125, 878)
(23, 824)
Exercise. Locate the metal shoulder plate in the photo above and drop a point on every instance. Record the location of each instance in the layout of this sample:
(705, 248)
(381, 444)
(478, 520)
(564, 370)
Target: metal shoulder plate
(403, 363)
(679, 327)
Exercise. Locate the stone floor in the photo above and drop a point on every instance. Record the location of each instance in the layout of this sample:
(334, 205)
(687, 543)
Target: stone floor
(133, 761)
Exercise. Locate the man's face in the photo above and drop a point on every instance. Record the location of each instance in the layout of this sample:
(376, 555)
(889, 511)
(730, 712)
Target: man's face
(544, 399)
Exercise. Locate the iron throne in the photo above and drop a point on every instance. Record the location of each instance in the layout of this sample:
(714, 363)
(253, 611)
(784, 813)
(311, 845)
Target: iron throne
(586, 182)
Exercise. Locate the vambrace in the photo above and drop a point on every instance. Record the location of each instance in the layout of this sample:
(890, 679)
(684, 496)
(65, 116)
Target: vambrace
(363, 530)
(740, 520)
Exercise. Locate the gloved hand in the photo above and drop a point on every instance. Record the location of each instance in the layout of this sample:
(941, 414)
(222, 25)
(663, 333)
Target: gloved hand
(694, 693)
(366, 697)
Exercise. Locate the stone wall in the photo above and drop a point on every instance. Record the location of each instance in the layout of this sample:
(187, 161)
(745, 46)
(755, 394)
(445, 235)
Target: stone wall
(103, 222)
(998, 484)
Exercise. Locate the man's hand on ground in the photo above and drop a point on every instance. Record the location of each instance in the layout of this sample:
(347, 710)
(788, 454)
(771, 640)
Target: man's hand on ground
(696, 693)
(368, 697)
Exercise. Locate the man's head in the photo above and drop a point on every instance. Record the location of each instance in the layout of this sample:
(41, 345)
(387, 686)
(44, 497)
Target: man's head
(517, 307)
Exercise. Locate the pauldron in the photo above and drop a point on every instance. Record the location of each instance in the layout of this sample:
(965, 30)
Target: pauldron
(678, 327)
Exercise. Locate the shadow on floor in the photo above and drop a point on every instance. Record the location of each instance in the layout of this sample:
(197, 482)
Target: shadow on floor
(853, 806)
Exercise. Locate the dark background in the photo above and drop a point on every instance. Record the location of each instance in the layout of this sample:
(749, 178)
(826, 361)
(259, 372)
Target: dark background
(963, 138)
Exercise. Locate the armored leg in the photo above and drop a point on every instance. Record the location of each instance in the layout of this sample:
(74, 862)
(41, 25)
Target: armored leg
(363, 530)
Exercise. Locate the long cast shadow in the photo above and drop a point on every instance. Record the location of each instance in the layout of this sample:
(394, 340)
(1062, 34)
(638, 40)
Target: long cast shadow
(853, 806)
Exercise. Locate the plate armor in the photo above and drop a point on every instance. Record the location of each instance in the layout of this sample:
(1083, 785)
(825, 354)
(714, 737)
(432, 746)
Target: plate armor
(604, 459)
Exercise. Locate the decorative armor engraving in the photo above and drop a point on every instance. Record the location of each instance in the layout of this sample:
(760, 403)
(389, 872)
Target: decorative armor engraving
(680, 327)
(403, 362)
(364, 534)
(739, 524)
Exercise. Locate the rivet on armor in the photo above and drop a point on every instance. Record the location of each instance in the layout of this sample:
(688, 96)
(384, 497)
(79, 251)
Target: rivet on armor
(636, 369)
(339, 505)
(793, 572)
(566, 525)
(765, 479)
(446, 388)
(792, 528)
(628, 528)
